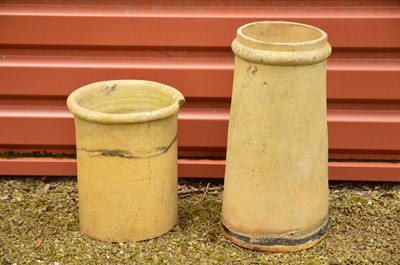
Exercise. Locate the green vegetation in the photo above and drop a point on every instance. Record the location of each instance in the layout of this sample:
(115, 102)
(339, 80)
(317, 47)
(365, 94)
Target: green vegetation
(36, 154)
(39, 225)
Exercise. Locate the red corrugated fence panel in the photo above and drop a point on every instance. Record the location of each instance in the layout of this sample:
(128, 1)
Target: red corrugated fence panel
(50, 48)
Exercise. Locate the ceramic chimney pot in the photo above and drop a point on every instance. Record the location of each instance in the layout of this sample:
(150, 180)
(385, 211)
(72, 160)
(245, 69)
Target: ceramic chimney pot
(276, 183)
(126, 140)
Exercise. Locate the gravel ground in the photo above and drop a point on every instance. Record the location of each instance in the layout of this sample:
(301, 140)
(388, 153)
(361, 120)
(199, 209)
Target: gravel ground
(39, 225)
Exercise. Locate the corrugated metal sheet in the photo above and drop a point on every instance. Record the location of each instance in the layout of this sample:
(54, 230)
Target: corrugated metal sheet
(50, 48)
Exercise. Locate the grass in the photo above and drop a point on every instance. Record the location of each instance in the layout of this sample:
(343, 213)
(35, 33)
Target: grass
(35, 154)
(39, 225)
(42, 154)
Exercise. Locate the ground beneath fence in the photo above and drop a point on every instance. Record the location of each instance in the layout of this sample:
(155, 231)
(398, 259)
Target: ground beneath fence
(39, 225)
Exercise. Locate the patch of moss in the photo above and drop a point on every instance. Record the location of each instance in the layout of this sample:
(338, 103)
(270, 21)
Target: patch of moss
(35, 154)
(39, 225)
(356, 160)
(215, 158)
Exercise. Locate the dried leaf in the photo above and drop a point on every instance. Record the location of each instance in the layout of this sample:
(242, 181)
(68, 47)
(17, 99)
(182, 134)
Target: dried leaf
(388, 195)
(49, 187)
(39, 242)
(46, 188)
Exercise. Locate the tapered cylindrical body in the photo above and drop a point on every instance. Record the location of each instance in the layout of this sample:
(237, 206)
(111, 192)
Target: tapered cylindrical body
(126, 140)
(276, 185)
